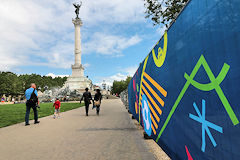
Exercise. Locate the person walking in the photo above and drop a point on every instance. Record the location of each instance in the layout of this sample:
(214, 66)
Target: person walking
(97, 100)
(87, 100)
(32, 102)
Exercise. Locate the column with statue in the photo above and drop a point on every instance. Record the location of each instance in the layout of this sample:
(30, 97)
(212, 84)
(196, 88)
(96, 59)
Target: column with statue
(77, 81)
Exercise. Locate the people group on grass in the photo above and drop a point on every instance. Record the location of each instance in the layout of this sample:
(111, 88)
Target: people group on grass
(33, 102)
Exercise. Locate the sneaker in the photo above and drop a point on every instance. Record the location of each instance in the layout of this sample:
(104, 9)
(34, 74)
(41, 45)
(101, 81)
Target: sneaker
(27, 124)
(36, 122)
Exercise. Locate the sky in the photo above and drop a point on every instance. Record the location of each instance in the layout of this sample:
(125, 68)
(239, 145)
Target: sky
(38, 37)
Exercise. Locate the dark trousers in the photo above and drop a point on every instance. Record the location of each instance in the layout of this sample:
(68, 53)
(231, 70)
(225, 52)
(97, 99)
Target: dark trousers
(28, 108)
(86, 108)
(98, 109)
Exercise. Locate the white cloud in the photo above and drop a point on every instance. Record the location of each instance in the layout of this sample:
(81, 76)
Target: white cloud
(86, 65)
(130, 70)
(54, 76)
(109, 44)
(61, 55)
(122, 75)
(118, 77)
(109, 80)
(116, 11)
(41, 32)
(26, 28)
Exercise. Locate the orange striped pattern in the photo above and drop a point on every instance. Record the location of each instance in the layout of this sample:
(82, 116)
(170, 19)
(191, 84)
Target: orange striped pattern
(164, 93)
(136, 108)
(153, 112)
(153, 129)
(152, 101)
(150, 93)
(153, 92)
(154, 122)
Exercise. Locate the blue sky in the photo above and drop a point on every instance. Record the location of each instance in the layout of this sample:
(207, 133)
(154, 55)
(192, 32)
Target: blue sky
(38, 37)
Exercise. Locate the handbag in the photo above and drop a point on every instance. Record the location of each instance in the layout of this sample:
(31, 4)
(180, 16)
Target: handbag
(97, 103)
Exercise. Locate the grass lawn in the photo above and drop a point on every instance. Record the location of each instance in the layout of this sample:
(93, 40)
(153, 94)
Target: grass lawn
(15, 113)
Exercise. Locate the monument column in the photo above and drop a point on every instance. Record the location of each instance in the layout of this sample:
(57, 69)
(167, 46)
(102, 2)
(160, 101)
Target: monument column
(77, 81)
(78, 50)
(77, 68)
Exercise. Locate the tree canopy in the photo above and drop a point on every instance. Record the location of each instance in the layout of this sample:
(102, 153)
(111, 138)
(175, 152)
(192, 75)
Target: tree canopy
(13, 84)
(163, 11)
(119, 86)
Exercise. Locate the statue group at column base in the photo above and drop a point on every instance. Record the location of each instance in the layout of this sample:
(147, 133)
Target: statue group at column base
(78, 83)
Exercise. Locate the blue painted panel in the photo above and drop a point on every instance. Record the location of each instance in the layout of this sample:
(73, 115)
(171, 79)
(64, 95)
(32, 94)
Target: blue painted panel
(207, 33)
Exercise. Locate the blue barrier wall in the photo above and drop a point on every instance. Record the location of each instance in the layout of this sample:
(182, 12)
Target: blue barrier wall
(186, 93)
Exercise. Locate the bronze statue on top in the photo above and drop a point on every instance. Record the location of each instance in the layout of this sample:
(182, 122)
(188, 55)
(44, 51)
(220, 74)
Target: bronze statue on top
(77, 6)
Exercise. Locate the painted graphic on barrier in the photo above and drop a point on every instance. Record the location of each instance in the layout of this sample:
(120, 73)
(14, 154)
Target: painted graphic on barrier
(146, 116)
(196, 115)
(188, 154)
(215, 84)
(159, 60)
(153, 105)
(205, 124)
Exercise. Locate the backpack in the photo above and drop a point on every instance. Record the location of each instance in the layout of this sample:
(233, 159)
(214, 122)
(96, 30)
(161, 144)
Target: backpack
(33, 99)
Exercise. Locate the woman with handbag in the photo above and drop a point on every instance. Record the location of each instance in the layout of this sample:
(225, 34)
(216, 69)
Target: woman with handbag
(97, 100)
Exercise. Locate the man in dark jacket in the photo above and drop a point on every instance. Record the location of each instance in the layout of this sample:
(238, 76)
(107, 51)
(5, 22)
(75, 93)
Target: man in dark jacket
(87, 100)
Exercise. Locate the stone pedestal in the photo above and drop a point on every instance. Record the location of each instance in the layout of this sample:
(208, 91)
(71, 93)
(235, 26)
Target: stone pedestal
(78, 83)
(77, 70)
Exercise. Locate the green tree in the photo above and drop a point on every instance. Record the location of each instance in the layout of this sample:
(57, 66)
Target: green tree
(119, 86)
(9, 83)
(163, 11)
(13, 84)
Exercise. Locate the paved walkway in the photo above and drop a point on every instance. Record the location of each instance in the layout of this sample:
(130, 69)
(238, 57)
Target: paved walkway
(110, 136)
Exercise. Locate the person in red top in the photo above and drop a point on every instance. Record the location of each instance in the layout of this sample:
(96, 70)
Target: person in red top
(57, 105)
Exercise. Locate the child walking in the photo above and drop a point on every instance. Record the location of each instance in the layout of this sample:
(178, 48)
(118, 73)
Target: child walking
(57, 105)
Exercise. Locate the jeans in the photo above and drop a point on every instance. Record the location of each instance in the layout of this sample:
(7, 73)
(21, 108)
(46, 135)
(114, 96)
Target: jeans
(28, 107)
